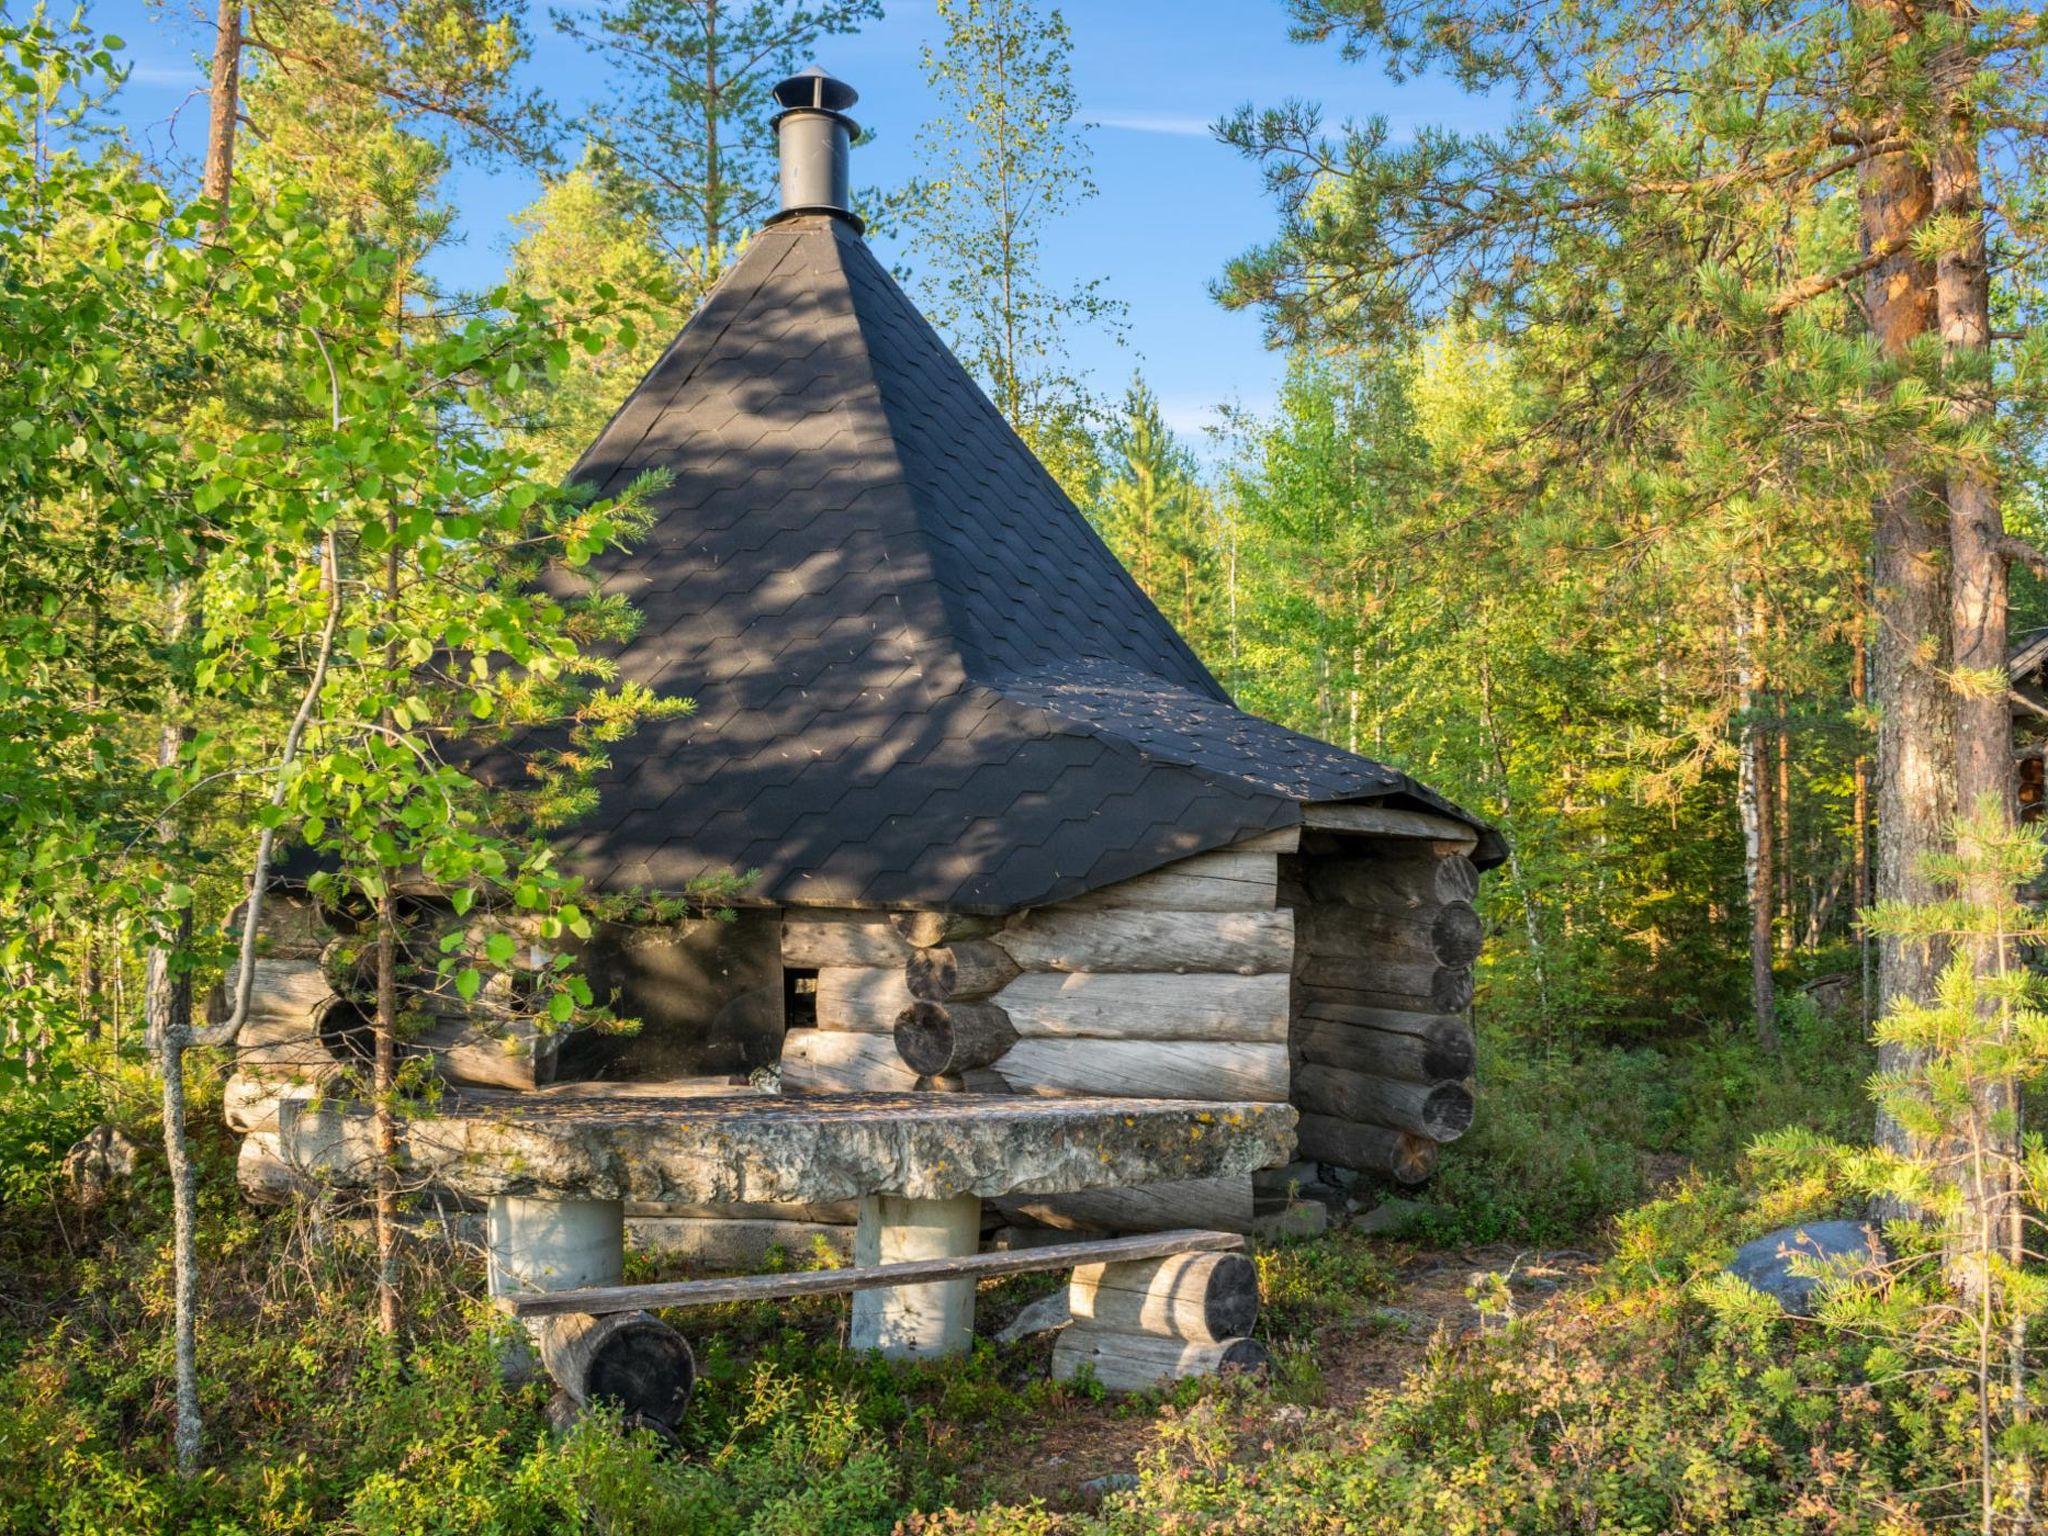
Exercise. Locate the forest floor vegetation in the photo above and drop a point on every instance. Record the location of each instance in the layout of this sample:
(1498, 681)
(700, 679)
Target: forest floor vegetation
(1535, 1349)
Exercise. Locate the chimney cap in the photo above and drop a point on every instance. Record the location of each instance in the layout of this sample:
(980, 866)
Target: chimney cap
(815, 90)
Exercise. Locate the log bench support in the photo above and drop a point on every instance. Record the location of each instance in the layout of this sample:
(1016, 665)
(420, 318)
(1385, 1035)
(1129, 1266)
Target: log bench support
(538, 1247)
(916, 1322)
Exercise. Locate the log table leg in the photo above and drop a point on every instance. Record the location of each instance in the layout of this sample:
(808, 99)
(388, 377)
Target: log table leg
(916, 1322)
(555, 1245)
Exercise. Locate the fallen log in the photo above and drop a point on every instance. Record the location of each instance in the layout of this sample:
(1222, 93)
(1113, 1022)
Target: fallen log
(1444, 1051)
(1161, 1006)
(1240, 943)
(1401, 1155)
(1440, 1111)
(1205, 1298)
(1135, 1362)
(632, 1359)
(1149, 1069)
(940, 1038)
(971, 969)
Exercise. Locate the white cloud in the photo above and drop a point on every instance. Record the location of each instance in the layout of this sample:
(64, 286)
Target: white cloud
(141, 73)
(1179, 125)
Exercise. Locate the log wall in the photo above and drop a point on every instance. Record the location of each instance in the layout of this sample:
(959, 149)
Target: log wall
(1379, 1034)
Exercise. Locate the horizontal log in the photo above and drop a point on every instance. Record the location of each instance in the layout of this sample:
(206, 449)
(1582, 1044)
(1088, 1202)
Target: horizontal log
(974, 1080)
(291, 927)
(1443, 1052)
(1229, 880)
(825, 1061)
(303, 1058)
(813, 940)
(1149, 1069)
(285, 998)
(1202, 1297)
(738, 1245)
(1137, 1362)
(1398, 1021)
(924, 930)
(939, 1038)
(1232, 943)
(249, 1102)
(862, 998)
(632, 1359)
(1394, 883)
(1440, 1111)
(1224, 1205)
(262, 1173)
(486, 1052)
(1400, 1155)
(602, 1299)
(1418, 988)
(971, 969)
(1390, 821)
(1449, 934)
(1158, 1006)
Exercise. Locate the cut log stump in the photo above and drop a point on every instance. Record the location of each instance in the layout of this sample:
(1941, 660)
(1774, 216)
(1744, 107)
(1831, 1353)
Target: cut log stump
(632, 1359)
(1205, 1298)
(1135, 1362)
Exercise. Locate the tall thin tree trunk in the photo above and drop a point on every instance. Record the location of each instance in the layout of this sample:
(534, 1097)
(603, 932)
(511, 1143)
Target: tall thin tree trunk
(1978, 607)
(1914, 793)
(1753, 797)
(1781, 806)
(384, 1065)
(168, 990)
(224, 107)
(1859, 800)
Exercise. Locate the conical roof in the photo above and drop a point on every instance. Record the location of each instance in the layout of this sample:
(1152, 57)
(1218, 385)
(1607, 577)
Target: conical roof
(922, 680)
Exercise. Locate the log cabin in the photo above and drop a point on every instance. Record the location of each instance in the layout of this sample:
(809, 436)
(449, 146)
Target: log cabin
(998, 826)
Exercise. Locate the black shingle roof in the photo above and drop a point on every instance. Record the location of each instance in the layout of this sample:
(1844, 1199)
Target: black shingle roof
(922, 680)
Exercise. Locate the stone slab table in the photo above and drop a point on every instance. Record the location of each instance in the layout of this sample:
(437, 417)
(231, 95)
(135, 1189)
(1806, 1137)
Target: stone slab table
(558, 1172)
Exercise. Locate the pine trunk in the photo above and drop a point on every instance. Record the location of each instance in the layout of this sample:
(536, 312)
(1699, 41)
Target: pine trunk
(1978, 608)
(1913, 795)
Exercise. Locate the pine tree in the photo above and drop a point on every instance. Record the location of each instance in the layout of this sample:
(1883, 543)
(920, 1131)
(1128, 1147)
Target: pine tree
(1158, 518)
(1004, 159)
(690, 124)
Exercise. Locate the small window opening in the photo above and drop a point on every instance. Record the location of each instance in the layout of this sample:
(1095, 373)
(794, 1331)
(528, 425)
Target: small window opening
(799, 999)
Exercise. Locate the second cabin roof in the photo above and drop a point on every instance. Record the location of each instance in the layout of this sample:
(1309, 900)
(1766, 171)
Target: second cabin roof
(922, 680)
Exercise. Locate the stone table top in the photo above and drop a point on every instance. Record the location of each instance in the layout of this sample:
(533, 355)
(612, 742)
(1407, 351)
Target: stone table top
(811, 1147)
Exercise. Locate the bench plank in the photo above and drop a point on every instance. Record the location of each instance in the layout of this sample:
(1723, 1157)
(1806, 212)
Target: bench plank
(600, 1299)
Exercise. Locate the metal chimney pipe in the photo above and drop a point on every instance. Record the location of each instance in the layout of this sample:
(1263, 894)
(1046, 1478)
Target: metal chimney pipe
(814, 138)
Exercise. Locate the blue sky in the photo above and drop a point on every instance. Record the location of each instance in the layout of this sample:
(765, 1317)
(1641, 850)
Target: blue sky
(1174, 205)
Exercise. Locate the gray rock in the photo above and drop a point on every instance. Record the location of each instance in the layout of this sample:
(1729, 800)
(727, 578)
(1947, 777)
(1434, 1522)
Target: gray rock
(99, 1165)
(1390, 1216)
(1040, 1316)
(1109, 1482)
(1767, 1263)
(1291, 1218)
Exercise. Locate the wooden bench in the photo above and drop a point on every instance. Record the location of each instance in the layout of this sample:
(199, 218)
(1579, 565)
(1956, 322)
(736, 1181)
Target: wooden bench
(1145, 1309)
(600, 1300)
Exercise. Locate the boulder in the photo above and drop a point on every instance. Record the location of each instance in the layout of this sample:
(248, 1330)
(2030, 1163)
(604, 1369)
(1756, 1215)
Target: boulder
(1768, 1263)
(1040, 1316)
(100, 1165)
